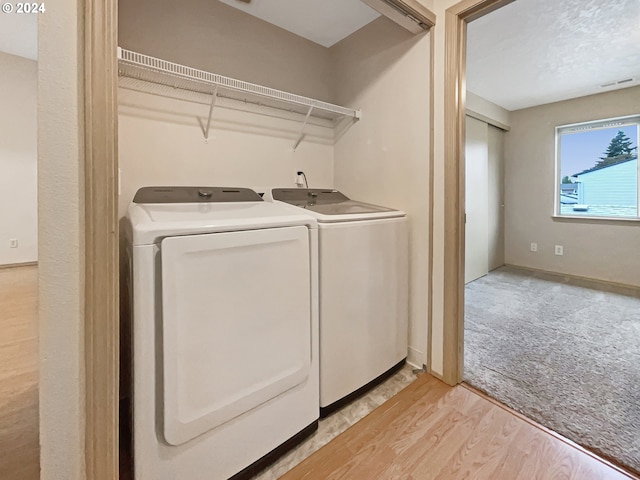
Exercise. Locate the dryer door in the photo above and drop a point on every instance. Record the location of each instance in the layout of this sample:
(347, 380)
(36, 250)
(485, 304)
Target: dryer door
(236, 320)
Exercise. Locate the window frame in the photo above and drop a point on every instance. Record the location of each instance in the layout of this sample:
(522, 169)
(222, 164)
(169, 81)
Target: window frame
(612, 122)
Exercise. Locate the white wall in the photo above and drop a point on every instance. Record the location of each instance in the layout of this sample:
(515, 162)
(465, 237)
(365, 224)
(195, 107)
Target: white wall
(61, 255)
(161, 143)
(161, 140)
(605, 250)
(18, 159)
(384, 158)
(210, 35)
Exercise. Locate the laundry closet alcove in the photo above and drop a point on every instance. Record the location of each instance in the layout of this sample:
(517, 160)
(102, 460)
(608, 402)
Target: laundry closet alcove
(381, 70)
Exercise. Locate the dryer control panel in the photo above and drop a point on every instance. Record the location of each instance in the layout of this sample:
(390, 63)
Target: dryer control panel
(195, 195)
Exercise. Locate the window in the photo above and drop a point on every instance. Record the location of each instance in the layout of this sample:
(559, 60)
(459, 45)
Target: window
(597, 168)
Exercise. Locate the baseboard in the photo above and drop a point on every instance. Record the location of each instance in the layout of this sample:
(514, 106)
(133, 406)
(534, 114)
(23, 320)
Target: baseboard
(21, 264)
(579, 281)
(415, 358)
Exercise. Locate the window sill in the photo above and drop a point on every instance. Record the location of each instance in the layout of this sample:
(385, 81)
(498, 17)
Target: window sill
(600, 220)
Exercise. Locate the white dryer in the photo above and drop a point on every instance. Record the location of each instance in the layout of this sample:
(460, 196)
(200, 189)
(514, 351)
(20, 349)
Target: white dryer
(364, 277)
(225, 331)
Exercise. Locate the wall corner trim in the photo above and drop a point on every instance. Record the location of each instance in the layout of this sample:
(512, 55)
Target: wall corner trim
(101, 329)
(486, 119)
(456, 19)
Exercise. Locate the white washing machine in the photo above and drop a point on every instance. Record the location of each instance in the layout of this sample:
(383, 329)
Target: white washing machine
(364, 283)
(225, 331)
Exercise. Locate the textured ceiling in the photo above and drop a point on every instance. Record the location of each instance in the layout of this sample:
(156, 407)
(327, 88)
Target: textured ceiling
(19, 34)
(325, 22)
(532, 52)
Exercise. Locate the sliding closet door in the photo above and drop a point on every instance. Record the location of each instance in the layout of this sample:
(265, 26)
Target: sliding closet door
(496, 197)
(476, 200)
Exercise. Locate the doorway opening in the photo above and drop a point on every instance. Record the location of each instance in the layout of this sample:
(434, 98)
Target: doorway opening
(549, 334)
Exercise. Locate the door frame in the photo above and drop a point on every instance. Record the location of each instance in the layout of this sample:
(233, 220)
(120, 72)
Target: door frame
(456, 19)
(101, 186)
(101, 226)
(101, 302)
(101, 201)
(101, 197)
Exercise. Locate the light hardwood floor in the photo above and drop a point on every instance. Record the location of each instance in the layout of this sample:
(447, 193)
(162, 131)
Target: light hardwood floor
(19, 450)
(433, 431)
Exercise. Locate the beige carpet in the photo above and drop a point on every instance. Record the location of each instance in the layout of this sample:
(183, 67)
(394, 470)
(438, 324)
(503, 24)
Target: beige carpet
(565, 355)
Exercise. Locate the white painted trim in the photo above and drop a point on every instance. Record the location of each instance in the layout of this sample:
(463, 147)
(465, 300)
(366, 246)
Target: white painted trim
(588, 219)
(416, 358)
(489, 120)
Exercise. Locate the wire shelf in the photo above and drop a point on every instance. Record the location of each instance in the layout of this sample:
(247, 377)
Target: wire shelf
(180, 77)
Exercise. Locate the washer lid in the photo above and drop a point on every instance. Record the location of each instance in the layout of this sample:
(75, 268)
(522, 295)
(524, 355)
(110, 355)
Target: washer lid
(151, 222)
(328, 204)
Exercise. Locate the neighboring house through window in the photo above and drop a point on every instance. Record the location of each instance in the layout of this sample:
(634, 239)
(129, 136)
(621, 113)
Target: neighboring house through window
(597, 167)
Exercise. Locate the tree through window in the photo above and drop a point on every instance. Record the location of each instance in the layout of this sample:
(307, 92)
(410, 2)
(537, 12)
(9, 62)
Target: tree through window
(598, 168)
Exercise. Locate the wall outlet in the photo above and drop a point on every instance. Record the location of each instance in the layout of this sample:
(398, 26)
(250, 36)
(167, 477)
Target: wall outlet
(534, 247)
(559, 250)
(13, 243)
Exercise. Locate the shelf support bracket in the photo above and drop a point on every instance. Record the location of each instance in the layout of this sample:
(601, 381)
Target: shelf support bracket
(304, 126)
(214, 96)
